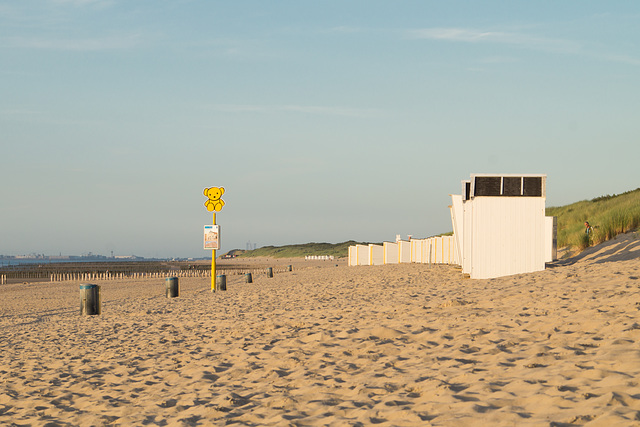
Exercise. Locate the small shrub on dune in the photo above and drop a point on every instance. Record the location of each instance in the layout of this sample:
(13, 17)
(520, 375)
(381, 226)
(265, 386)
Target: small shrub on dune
(583, 241)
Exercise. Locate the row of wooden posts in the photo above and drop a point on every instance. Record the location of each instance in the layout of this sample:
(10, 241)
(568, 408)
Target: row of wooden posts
(158, 274)
(84, 277)
(107, 275)
(90, 293)
(60, 277)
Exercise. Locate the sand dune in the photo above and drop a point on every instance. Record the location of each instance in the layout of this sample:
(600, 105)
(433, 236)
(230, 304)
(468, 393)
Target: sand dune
(407, 344)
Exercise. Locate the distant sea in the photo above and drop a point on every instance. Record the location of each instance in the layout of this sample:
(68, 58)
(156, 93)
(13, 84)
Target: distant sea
(54, 260)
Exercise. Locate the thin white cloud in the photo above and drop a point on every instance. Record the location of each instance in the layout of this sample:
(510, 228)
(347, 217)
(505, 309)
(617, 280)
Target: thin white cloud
(33, 116)
(80, 44)
(625, 59)
(332, 111)
(304, 109)
(83, 2)
(516, 39)
(499, 59)
(456, 34)
(343, 29)
(470, 35)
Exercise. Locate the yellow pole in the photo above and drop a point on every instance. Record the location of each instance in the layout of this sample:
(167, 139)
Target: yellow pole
(213, 260)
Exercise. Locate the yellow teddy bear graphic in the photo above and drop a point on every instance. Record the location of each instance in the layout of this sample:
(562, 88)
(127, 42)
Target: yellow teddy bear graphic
(214, 202)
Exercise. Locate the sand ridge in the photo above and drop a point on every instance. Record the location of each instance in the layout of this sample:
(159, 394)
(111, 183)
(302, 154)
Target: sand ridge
(407, 344)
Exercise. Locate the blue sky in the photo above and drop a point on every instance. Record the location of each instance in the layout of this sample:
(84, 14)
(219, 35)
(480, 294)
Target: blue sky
(324, 121)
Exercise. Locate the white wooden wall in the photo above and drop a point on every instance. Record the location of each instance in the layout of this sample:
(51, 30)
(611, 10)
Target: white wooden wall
(416, 250)
(507, 236)
(467, 211)
(362, 255)
(390, 252)
(457, 222)
(353, 256)
(404, 251)
(376, 253)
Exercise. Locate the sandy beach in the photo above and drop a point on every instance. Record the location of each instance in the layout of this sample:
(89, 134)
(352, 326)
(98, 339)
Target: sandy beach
(327, 344)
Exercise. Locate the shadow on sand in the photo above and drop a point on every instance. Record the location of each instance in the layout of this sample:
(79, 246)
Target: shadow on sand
(624, 247)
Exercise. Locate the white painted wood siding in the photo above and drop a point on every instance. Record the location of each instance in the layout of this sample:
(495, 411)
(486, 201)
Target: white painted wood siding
(376, 253)
(457, 221)
(416, 250)
(390, 252)
(353, 257)
(404, 251)
(507, 236)
(362, 254)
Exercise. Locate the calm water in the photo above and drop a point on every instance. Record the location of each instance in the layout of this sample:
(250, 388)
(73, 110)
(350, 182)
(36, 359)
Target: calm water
(31, 261)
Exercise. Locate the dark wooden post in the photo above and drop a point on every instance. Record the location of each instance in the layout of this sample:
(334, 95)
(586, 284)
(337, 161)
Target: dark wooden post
(172, 288)
(221, 282)
(270, 272)
(289, 267)
(89, 299)
(248, 277)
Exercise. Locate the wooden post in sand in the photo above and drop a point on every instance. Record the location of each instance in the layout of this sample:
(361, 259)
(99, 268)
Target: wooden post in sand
(89, 299)
(289, 267)
(172, 288)
(248, 277)
(270, 272)
(221, 282)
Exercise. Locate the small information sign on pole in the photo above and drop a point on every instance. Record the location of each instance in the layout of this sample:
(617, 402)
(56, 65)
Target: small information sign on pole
(212, 237)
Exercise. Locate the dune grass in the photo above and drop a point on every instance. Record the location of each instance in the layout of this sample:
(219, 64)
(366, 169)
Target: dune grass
(609, 216)
(301, 250)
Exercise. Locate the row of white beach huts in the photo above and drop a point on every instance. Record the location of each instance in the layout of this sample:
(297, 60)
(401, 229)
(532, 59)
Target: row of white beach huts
(434, 250)
(499, 229)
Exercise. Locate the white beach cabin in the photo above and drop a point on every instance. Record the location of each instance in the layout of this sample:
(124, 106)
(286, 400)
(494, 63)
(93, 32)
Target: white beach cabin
(500, 227)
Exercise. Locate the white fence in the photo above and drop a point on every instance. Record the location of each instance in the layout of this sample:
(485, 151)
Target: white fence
(434, 250)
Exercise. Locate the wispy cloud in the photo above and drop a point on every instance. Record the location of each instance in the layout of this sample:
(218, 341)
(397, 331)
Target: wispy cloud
(470, 35)
(625, 59)
(455, 34)
(74, 44)
(343, 29)
(496, 59)
(303, 109)
(41, 117)
(100, 3)
(518, 39)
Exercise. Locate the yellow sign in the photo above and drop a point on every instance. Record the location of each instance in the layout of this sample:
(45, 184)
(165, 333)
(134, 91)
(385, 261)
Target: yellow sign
(214, 202)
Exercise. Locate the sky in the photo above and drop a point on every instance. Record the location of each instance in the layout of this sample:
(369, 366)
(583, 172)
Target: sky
(324, 121)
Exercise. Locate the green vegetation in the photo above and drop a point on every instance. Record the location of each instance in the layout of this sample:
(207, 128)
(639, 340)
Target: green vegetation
(609, 216)
(301, 250)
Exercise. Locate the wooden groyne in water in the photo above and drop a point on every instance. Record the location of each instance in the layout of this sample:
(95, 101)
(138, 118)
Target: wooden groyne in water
(92, 271)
